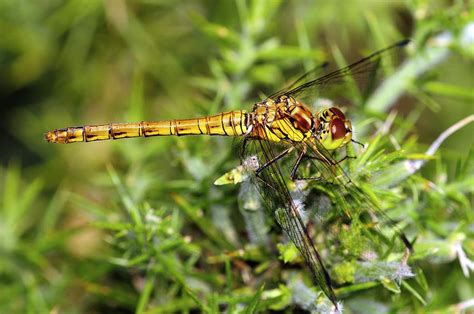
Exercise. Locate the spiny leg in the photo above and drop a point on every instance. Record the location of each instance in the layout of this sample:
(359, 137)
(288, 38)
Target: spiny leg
(359, 143)
(268, 164)
(293, 175)
(275, 159)
(301, 155)
(330, 161)
(298, 161)
(344, 158)
(321, 158)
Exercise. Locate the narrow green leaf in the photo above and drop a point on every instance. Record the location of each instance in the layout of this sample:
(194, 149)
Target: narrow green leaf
(252, 306)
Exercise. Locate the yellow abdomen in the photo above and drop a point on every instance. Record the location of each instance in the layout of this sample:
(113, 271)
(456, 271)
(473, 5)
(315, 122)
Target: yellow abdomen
(232, 123)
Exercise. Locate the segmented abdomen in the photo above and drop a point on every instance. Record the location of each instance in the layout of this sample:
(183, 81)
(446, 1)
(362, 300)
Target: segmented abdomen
(232, 123)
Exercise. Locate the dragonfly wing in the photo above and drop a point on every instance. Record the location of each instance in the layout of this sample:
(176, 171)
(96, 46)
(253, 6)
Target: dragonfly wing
(305, 77)
(272, 182)
(350, 205)
(351, 201)
(361, 72)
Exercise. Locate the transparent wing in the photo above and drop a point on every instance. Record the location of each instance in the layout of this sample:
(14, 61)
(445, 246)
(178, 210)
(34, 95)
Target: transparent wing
(303, 78)
(352, 203)
(354, 224)
(279, 202)
(362, 72)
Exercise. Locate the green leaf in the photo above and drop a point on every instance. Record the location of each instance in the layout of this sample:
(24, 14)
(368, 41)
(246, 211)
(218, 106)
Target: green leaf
(254, 302)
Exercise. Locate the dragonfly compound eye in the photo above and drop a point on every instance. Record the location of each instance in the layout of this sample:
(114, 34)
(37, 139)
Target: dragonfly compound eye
(338, 129)
(337, 113)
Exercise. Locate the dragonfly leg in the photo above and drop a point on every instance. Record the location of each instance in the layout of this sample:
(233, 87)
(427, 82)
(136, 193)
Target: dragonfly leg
(359, 143)
(275, 159)
(293, 174)
(344, 158)
(329, 160)
(267, 164)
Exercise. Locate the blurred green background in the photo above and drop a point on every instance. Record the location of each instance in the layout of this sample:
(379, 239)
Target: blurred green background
(137, 225)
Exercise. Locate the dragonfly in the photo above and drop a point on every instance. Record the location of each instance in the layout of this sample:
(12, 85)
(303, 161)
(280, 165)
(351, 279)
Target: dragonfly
(286, 138)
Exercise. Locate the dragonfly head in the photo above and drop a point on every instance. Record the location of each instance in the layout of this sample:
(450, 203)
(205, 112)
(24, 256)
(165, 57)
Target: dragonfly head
(333, 129)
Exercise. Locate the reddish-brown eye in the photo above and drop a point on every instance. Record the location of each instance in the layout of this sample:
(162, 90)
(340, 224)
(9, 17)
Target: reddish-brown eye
(338, 113)
(338, 129)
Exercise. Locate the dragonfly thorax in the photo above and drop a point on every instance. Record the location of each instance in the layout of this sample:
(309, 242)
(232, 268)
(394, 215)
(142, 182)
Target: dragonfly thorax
(283, 119)
(286, 119)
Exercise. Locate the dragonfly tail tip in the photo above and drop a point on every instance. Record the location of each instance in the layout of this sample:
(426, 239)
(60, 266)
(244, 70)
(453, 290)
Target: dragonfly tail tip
(51, 137)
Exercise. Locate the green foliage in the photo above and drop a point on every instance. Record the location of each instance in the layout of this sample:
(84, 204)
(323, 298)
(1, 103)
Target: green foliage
(138, 225)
